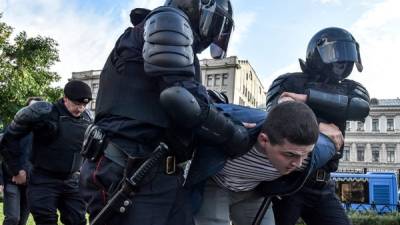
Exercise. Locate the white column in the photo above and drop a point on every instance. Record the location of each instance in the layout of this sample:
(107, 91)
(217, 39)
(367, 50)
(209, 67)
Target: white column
(368, 153)
(353, 152)
(383, 153)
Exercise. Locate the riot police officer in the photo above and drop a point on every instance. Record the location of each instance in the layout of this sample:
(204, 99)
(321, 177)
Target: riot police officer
(15, 205)
(156, 57)
(58, 131)
(322, 84)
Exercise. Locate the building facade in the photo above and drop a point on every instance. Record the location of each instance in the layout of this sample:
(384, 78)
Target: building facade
(375, 144)
(236, 78)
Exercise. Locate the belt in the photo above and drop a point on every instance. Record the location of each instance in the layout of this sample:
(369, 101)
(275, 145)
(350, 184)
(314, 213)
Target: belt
(318, 179)
(118, 156)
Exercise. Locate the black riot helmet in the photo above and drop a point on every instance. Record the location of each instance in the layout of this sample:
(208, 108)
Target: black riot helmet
(211, 21)
(331, 54)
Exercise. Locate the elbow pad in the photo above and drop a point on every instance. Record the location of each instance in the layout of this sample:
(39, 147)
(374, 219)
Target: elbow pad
(168, 43)
(181, 106)
(210, 125)
(358, 109)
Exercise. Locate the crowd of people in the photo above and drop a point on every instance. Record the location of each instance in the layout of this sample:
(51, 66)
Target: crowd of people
(162, 150)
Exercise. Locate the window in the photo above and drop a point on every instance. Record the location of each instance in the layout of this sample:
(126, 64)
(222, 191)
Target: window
(347, 125)
(360, 153)
(390, 153)
(95, 88)
(353, 191)
(217, 80)
(93, 105)
(390, 125)
(375, 124)
(241, 102)
(225, 79)
(209, 80)
(346, 153)
(375, 153)
(360, 126)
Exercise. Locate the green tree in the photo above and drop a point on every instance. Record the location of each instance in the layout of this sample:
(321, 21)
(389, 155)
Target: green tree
(25, 70)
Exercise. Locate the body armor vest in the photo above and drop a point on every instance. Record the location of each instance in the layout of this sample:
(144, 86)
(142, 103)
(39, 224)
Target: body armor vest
(61, 155)
(130, 93)
(125, 88)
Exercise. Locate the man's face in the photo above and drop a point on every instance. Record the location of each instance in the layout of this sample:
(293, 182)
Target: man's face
(286, 157)
(74, 107)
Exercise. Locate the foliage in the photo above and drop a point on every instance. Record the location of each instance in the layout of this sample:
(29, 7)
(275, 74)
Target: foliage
(371, 218)
(25, 70)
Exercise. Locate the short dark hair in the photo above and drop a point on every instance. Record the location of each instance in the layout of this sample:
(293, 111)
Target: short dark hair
(293, 121)
(28, 101)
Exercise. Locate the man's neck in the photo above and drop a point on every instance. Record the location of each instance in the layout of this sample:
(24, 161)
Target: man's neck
(259, 149)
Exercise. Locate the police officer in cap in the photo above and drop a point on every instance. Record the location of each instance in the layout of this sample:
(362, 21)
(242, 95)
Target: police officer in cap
(58, 131)
(322, 84)
(150, 81)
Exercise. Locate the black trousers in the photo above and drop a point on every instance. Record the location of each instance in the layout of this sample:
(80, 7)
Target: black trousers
(46, 195)
(161, 200)
(316, 206)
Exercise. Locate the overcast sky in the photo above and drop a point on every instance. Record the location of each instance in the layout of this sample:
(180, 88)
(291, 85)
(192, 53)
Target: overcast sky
(271, 35)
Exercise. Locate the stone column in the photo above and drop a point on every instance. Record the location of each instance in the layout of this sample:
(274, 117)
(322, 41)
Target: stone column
(383, 157)
(353, 152)
(368, 153)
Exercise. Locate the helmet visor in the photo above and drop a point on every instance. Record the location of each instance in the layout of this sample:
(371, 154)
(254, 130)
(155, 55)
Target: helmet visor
(216, 25)
(340, 51)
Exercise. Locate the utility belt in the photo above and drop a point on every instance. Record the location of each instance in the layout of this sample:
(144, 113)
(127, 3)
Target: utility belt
(113, 153)
(318, 179)
(96, 145)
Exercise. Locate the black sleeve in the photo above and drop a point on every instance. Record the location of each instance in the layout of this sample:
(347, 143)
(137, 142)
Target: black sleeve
(25, 121)
(168, 51)
(1, 173)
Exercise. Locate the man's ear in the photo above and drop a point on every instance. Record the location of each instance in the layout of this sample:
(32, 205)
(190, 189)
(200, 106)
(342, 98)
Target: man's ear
(262, 139)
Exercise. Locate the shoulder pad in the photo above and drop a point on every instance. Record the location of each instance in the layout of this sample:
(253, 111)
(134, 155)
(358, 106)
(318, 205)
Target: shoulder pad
(357, 89)
(33, 113)
(275, 89)
(167, 20)
(168, 42)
